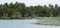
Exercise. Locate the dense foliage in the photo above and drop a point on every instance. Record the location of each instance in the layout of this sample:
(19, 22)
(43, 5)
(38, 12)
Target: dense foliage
(20, 10)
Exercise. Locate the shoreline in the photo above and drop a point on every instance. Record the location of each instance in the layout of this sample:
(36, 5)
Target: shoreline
(23, 18)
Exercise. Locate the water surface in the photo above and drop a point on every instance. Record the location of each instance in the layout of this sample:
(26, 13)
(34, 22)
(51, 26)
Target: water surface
(22, 24)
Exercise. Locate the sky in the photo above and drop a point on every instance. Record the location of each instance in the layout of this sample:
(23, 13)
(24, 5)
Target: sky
(33, 2)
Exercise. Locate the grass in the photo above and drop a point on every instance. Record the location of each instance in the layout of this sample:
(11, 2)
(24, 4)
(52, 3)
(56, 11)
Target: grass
(50, 21)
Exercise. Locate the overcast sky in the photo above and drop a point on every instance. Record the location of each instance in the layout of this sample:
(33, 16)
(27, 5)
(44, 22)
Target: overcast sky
(33, 2)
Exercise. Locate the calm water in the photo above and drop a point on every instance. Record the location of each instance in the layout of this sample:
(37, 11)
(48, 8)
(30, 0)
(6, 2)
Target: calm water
(22, 24)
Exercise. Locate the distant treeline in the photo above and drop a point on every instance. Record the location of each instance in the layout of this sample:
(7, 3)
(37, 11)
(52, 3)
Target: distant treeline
(20, 10)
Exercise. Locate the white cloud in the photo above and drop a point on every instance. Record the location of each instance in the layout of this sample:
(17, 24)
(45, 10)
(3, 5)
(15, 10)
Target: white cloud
(33, 2)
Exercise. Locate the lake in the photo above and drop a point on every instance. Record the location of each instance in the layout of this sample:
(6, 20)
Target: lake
(23, 24)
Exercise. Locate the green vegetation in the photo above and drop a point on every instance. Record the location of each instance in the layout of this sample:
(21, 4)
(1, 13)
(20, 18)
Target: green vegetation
(49, 21)
(20, 10)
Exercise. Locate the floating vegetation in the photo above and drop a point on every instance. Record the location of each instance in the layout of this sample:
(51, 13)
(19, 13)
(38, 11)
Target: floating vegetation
(48, 21)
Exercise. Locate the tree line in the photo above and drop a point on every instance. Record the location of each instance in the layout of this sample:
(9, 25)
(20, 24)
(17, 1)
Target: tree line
(20, 10)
